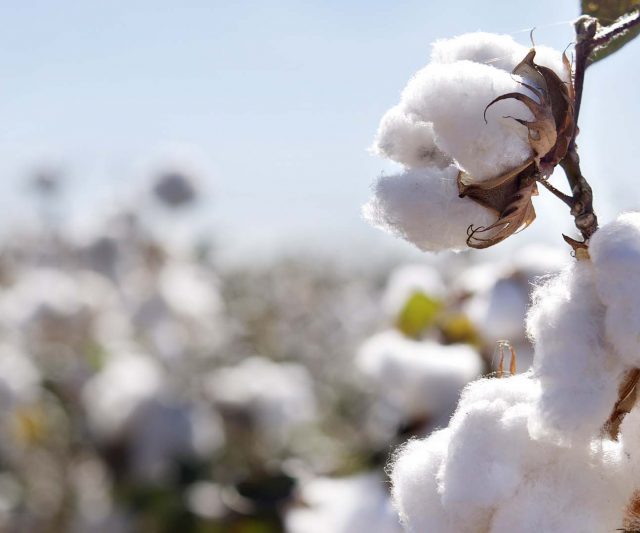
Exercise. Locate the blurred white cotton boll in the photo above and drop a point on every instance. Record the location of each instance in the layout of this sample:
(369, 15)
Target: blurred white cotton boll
(615, 252)
(423, 207)
(573, 361)
(499, 313)
(278, 396)
(111, 396)
(18, 373)
(418, 378)
(407, 141)
(344, 505)
(454, 98)
(408, 280)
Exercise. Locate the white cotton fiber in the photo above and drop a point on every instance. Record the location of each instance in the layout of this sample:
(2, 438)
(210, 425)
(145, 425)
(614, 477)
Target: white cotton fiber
(615, 252)
(408, 141)
(415, 489)
(423, 207)
(490, 448)
(578, 373)
(344, 505)
(500, 51)
(454, 97)
(418, 378)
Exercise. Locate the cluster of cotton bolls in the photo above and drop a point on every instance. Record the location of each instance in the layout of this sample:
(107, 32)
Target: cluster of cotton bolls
(533, 452)
(551, 448)
(442, 127)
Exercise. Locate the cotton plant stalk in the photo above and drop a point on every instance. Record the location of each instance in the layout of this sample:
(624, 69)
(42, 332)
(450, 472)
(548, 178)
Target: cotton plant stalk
(556, 448)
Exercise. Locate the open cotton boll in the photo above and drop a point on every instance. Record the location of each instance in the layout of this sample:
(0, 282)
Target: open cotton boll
(500, 51)
(574, 363)
(423, 207)
(490, 449)
(418, 378)
(454, 97)
(576, 492)
(277, 395)
(344, 505)
(113, 394)
(408, 280)
(615, 252)
(415, 489)
(499, 313)
(407, 141)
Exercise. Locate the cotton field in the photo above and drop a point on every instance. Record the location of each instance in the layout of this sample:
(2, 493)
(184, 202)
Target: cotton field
(151, 389)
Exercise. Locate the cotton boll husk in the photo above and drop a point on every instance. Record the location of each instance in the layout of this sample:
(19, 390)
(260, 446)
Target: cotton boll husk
(418, 378)
(415, 488)
(500, 51)
(454, 97)
(408, 280)
(408, 141)
(422, 206)
(615, 252)
(344, 505)
(578, 372)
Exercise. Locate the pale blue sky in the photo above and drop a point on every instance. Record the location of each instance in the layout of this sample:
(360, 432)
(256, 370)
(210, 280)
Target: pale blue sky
(282, 98)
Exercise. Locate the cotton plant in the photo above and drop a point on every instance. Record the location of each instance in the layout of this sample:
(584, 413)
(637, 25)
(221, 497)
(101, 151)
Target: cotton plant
(554, 448)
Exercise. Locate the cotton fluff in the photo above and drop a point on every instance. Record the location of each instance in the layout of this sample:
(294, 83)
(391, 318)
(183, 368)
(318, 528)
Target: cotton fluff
(423, 207)
(453, 97)
(573, 360)
(615, 252)
(405, 140)
(500, 51)
(418, 378)
(344, 505)
(486, 473)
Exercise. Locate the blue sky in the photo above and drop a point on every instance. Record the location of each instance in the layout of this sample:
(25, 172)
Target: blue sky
(280, 99)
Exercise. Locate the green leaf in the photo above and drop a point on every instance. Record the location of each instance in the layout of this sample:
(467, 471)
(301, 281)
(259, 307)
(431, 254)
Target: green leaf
(418, 314)
(607, 12)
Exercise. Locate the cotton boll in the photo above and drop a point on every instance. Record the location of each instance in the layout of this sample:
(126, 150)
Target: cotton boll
(418, 378)
(357, 503)
(408, 280)
(578, 373)
(278, 396)
(490, 449)
(423, 207)
(408, 141)
(615, 252)
(500, 51)
(415, 487)
(499, 313)
(454, 98)
(113, 394)
(574, 493)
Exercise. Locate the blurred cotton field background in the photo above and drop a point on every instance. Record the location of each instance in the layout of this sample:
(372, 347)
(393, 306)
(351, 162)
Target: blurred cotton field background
(147, 387)
(197, 330)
